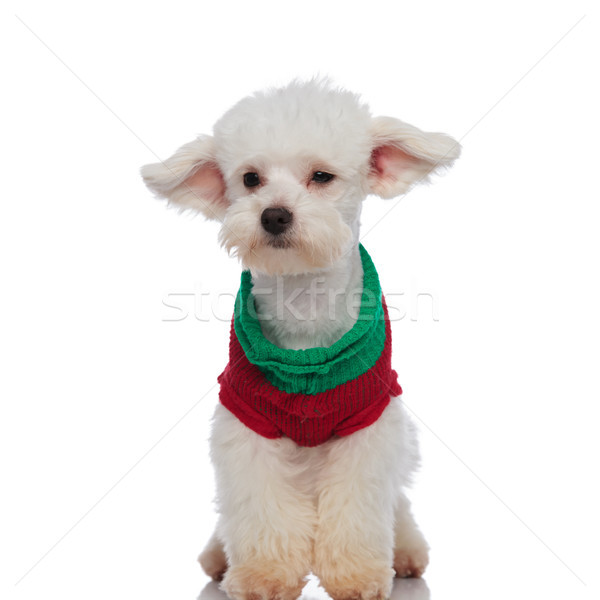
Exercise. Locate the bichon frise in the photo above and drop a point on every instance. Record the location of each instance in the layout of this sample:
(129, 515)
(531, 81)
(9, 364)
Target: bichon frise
(310, 443)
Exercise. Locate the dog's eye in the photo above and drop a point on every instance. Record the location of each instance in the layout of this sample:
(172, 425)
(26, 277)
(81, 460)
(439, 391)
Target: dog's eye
(251, 179)
(322, 177)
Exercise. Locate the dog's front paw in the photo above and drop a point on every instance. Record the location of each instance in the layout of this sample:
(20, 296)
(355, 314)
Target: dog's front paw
(262, 582)
(367, 584)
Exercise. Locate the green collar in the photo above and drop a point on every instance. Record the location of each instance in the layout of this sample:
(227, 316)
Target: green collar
(315, 370)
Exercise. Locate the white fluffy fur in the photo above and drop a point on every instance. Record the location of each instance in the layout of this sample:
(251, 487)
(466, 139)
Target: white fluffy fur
(337, 510)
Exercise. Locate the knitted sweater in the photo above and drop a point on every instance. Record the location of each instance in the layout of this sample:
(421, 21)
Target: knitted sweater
(311, 395)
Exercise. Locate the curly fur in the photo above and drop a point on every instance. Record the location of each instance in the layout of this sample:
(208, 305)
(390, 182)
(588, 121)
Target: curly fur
(338, 509)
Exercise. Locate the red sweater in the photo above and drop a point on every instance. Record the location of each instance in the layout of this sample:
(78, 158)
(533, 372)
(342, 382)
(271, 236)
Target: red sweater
(308, 419)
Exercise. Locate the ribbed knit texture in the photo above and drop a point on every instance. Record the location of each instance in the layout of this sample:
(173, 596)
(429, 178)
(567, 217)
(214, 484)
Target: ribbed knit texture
(311, 395)
(317, 369)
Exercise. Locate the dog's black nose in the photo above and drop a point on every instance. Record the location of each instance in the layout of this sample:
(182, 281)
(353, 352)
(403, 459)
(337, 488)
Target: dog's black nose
(275, 220)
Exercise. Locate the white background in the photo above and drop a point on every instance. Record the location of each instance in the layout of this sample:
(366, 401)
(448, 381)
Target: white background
(106, 485)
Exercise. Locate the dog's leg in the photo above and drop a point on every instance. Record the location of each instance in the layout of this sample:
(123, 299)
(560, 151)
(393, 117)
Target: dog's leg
(267, 521)
(411, 551)
(213, 559)
(358, 487)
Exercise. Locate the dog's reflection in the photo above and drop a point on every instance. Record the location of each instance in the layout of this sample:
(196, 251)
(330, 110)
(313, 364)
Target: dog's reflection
(404, 589)
(410, 589)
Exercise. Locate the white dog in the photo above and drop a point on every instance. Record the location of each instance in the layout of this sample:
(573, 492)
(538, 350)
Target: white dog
(310, 443)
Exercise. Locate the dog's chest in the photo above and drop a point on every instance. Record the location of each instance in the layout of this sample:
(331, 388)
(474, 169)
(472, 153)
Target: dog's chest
(303, 312)
(307, 322)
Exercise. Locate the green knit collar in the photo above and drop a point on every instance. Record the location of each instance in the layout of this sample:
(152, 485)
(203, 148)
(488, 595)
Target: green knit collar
(315, 370)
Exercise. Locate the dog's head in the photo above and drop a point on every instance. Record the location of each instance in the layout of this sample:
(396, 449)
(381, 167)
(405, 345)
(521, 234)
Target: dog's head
(286, 172)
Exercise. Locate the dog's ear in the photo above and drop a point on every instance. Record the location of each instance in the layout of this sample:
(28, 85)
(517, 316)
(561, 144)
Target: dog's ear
(403, 155)
(190, 179)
